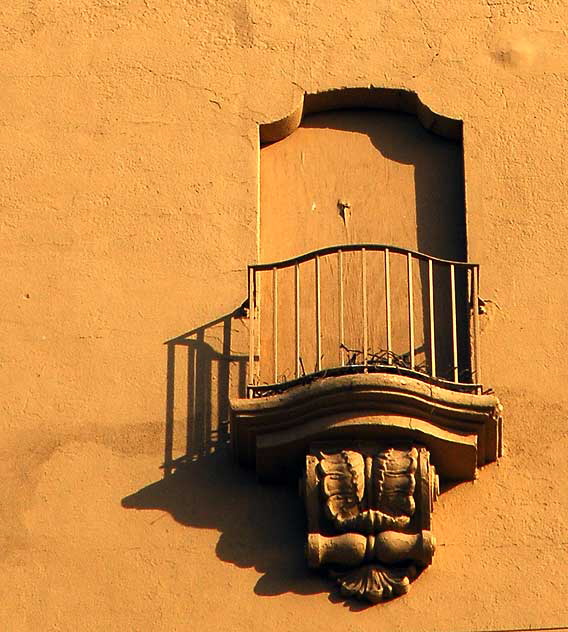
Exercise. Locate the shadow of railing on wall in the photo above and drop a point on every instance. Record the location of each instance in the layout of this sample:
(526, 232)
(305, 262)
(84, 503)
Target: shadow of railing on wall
(202, 371)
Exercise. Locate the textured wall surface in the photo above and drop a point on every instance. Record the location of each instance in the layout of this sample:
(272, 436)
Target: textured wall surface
(403, 184)
(130, 185)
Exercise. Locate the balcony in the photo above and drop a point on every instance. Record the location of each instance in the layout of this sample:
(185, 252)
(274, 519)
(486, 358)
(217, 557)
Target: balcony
(359, 309)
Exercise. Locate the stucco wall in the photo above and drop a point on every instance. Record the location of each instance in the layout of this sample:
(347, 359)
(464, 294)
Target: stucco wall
(403, 184)
(130, 188)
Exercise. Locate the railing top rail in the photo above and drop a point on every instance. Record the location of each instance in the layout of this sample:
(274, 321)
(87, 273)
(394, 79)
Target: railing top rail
(285, 263)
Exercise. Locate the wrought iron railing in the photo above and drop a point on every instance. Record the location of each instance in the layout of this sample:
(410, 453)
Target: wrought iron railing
(387, 309)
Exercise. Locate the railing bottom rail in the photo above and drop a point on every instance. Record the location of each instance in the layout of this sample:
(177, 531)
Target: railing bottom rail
(265, 390)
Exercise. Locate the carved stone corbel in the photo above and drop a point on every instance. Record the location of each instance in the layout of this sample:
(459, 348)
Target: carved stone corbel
(369, 515)
(367, 445)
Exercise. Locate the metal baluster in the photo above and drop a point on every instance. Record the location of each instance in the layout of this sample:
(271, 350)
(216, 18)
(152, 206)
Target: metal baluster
(475, 308)
(341, 316)
(410, 309)
(258, 326)
(388, 306)
(297, 315)
(432, 324)
(275, 321)
(455, 361)
(252, 329)
(364, 300)
(318, 314)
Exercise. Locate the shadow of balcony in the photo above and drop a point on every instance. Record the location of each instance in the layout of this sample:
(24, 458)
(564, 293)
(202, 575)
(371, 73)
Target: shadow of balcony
(260, 526)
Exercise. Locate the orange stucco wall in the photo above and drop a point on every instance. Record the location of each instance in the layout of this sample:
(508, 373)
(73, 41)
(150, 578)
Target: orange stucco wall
(129, 211)
(403, 184)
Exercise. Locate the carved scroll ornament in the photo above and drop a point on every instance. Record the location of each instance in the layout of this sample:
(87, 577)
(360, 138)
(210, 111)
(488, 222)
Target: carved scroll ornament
(369, 516)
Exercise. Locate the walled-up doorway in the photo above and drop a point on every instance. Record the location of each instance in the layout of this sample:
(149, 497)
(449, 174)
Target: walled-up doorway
(362, 175)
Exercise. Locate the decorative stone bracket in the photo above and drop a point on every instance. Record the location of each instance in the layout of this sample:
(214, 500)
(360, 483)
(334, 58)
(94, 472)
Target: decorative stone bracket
(371, 448)
(375, 503)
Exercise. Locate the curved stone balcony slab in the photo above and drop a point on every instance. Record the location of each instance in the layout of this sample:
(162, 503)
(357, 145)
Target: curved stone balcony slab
(462, 431)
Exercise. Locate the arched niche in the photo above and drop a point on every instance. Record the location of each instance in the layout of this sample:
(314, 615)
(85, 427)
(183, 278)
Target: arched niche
(364, 165)
(397, 164)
